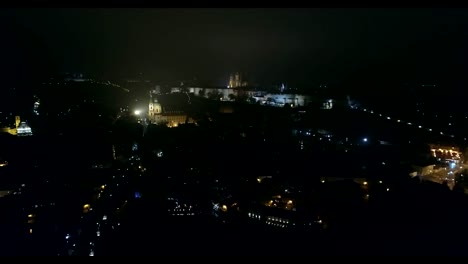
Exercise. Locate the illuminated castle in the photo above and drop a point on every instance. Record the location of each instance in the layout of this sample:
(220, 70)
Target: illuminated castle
(20, 129)
(235, 81)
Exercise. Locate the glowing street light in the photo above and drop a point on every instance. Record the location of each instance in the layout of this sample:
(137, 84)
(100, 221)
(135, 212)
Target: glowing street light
(137, 112)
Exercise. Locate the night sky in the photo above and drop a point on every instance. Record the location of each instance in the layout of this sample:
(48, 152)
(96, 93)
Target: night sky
(300, 46)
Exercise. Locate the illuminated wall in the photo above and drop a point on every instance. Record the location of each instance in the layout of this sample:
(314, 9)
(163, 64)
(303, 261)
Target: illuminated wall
(224, 93)
(172, 120)
(296, 99)
(8, 130)
(175, 120)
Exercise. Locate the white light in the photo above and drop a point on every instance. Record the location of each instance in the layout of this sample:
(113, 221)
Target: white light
(364, 139)
(137, 112)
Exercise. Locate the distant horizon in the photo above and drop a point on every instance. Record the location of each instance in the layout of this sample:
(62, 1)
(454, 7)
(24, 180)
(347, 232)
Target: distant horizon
(299, 46)
(222, 81)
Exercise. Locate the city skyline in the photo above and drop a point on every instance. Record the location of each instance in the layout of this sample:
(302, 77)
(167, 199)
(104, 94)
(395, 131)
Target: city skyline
(134, 132)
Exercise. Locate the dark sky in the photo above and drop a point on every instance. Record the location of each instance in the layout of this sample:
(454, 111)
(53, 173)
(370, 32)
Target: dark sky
(299, 46)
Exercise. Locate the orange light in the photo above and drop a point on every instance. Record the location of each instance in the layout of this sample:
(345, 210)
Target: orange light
(224, 208)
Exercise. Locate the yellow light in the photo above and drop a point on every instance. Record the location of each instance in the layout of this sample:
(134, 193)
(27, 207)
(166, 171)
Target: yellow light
(290, 202)
(30, 215)
(365, 183)
(30, 231)
(103, 187)
(224, 208)
(380, 181)
(259, 180)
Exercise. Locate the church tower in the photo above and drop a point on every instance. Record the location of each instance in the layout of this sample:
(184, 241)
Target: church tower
(231, 81)
(155, 108)
(237, 80)
(17, 121)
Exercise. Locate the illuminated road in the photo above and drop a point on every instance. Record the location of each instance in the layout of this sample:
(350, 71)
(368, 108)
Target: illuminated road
(446, 174)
